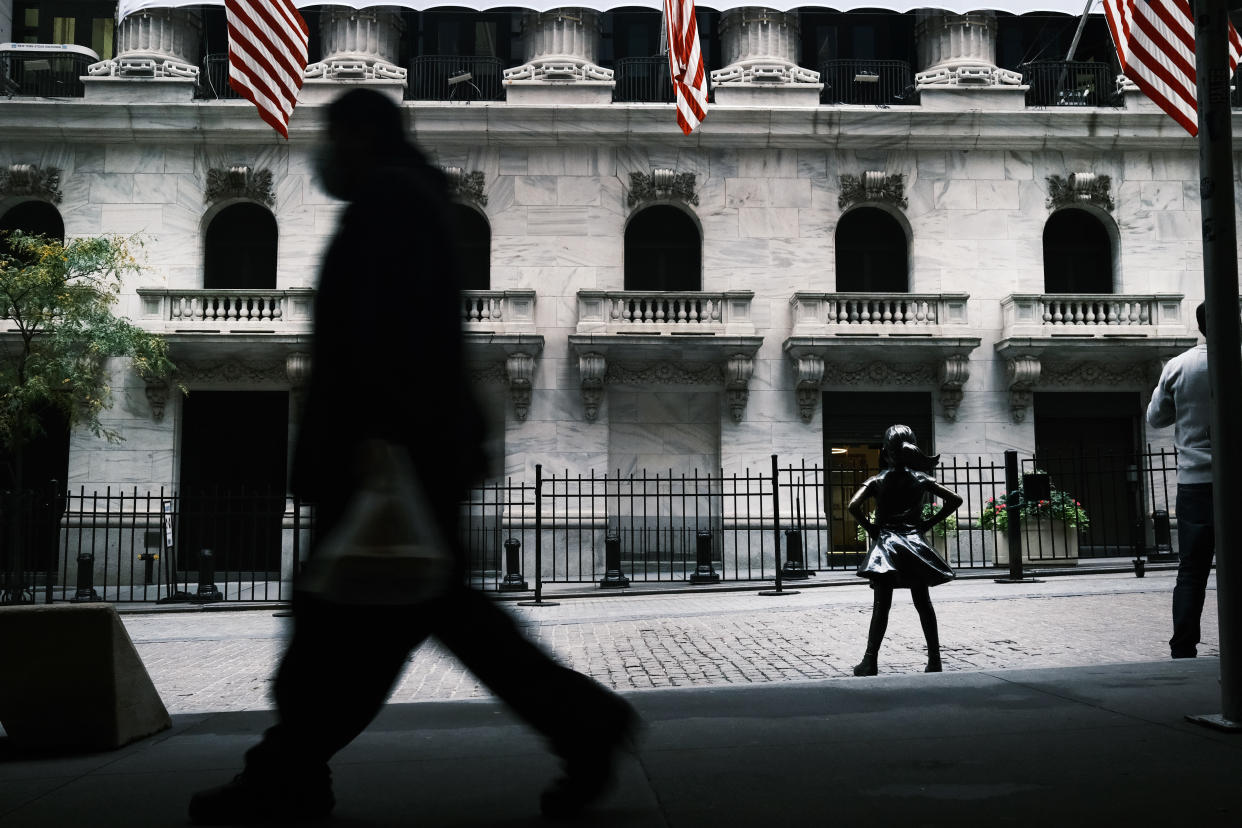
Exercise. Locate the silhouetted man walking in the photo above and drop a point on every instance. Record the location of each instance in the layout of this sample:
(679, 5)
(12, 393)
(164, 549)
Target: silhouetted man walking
(387, 365)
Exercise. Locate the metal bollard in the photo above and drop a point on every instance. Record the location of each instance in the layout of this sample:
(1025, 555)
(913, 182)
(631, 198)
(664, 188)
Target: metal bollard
(704, 573)
(794, 568)
(613, 578)
(513, 581)
(86, 579)
(207, 591)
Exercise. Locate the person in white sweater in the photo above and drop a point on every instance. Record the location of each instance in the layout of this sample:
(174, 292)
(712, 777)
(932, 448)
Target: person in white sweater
(1183, 399)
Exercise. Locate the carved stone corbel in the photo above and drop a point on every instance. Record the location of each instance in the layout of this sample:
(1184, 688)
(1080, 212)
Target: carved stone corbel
(298, 369)
(157, 398)
(810, 378)
(520, 370)
(660, 185)
(466, 186)
(954, 372)
(872, 186)
(1023, 374)
(31, 180)
(592, 367)
(239, 181)
(738, 371)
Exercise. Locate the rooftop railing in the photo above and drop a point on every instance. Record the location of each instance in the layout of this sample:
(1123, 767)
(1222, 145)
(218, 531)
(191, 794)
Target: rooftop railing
(455, 78)
(877, 82)
(1069, 83)
(52, 72)
(643, 80)
(213, 81)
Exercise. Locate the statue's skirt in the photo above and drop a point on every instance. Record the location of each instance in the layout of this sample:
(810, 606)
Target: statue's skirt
(901, 558)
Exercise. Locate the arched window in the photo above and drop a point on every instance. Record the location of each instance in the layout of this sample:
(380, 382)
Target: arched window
(240, 249)
(1078, 254)
(34, 217)
(871, 253)
(663, 251)
(474, 248)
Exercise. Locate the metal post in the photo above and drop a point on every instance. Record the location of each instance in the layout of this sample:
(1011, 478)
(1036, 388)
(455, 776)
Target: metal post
(513, 582)
(795, 570)
(776, 531)
(1013, 516)
(613, 578)
(207, 590)
(86, 579)
(538, 602)
(1220, 291)
(704, 573)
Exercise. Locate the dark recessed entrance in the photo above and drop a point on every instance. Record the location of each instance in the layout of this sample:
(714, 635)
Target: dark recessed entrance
(233, 470)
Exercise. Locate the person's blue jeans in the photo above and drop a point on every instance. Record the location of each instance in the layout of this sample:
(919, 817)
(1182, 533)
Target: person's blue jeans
(1196, 538)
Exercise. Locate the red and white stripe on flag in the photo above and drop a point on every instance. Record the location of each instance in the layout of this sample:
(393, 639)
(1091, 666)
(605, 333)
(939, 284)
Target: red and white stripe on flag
(267, 56)
(686, 63)
(1155, 42)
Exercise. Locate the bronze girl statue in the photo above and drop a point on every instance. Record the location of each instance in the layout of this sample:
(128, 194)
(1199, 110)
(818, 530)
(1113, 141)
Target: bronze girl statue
(899, 557)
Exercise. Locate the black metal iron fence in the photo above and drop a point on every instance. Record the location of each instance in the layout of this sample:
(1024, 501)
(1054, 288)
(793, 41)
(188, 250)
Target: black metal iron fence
(455, 78)
(877, 82)
(613, 531)
(1069, 83)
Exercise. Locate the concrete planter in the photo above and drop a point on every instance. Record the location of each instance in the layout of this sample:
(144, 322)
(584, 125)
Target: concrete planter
(1045, 542)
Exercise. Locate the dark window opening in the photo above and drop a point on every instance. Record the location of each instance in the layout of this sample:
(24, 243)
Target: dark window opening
(241, 249)
(474, 248)
(1078, 254)
(76, 22)
(871, 253)
(663, 251)
(36, 218)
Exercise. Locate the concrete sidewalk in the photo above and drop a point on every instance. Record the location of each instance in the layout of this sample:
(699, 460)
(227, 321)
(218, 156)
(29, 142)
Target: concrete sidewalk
(1051, 747)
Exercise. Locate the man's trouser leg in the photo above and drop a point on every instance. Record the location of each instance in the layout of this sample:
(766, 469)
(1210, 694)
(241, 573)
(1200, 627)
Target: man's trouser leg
(1196, 540)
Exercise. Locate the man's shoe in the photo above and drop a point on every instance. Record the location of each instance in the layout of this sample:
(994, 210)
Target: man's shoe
(590, 767)
(246, 802)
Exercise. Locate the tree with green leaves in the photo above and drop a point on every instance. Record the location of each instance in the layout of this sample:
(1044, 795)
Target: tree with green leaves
(57, 329)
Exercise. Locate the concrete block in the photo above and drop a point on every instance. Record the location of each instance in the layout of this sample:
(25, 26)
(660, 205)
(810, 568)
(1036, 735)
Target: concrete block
(73, 680)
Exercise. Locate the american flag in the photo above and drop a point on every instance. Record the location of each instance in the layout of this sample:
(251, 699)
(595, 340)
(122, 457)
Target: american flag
(267, 56)
(1155, 42)
(686, 63)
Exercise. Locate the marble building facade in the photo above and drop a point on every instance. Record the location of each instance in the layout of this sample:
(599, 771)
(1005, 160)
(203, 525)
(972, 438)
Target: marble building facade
(766, 355)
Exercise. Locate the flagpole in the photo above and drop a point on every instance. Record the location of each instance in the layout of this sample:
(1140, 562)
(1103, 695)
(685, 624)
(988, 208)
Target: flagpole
(1220, 290)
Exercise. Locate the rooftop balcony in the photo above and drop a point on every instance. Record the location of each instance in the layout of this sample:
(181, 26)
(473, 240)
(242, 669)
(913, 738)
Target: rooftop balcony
(44, 70)
(880, 339)
(1088, 339)
(665, 336)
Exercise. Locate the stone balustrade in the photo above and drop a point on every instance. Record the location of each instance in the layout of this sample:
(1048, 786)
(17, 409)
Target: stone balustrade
(665, 312)
(875, 314)
(1094, 315)
(283, 311)
(508, 311)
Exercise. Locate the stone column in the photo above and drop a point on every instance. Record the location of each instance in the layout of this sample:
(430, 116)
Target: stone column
(359, 45)
(161, 44)
(957, 52)
(560, 51)
(761, 60)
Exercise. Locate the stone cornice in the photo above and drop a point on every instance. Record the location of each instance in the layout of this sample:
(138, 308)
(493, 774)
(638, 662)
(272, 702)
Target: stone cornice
(482, 124)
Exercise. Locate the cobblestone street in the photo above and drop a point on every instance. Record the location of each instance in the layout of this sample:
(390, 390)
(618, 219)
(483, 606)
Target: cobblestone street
(223, 659)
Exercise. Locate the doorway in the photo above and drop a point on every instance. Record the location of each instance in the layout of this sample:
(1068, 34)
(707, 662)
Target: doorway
(1088, 443)
(234, 447)
(854, 426)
